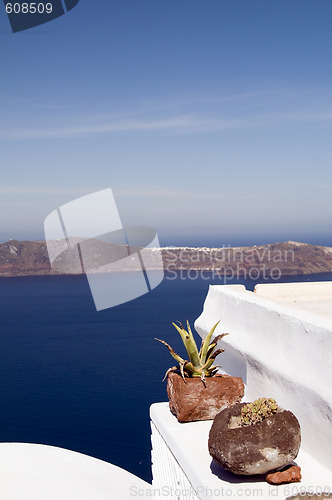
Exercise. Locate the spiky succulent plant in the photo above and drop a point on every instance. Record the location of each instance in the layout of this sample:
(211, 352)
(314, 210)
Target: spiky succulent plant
(200, 363)
(258, 410)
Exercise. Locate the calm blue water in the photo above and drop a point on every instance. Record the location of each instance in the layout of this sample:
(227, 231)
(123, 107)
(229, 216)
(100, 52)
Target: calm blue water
(84, 380)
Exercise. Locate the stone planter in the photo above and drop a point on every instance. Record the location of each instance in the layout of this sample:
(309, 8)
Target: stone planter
(254, 449)
(192, 400)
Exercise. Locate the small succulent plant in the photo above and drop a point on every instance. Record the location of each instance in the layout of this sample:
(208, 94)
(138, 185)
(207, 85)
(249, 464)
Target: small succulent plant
(258, 410)
(200, 363)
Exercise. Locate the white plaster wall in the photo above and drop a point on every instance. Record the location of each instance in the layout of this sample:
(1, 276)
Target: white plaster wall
(280, 353)
(311, 291)
(39, 472)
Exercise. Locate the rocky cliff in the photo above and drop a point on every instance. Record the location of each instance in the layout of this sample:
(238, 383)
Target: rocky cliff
(30, 258)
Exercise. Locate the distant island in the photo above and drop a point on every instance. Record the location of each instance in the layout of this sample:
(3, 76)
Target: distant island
(30, 258)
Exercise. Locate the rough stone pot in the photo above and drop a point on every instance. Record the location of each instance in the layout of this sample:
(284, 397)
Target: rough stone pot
(254, 449)
(192, 400)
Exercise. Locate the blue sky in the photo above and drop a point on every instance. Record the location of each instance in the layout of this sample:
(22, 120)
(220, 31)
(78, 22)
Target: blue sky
(210, 120)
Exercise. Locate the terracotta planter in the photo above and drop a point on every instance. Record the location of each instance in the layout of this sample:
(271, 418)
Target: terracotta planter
(254, 449)
(192, 400)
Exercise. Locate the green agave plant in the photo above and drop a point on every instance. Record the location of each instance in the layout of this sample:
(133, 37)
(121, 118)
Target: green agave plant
(200, 363)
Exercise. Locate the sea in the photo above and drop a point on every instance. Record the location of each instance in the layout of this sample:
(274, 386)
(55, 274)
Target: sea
(84, 380)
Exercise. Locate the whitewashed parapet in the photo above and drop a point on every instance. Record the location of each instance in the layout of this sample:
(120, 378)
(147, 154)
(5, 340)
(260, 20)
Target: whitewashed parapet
(168, 477)
(40, 472)
(280, 352)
